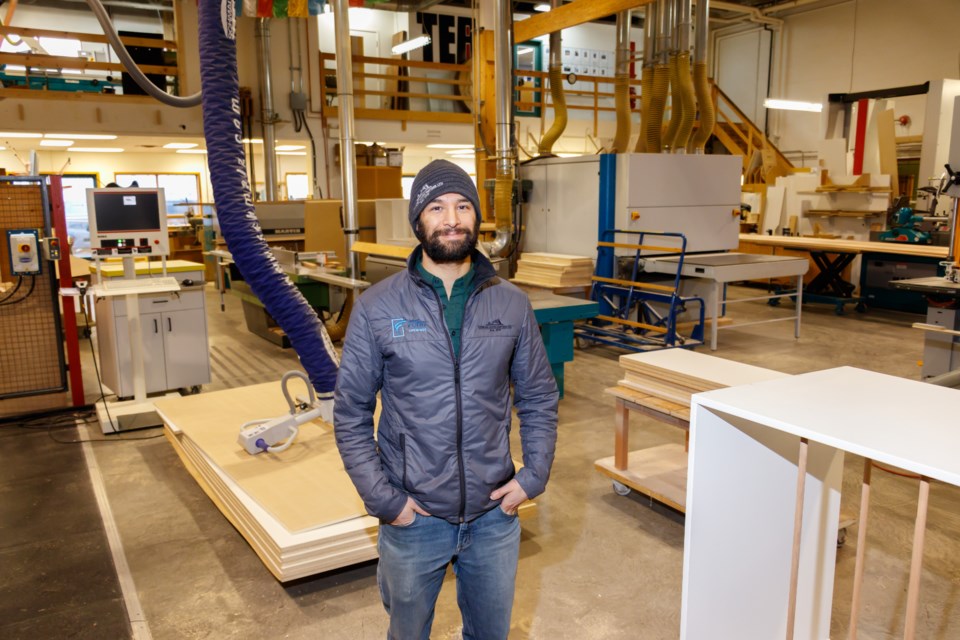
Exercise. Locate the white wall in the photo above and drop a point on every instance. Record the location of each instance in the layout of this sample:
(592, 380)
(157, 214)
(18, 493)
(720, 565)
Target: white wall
(862, 45)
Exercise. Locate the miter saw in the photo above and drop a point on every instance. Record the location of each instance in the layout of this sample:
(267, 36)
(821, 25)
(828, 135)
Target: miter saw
(903, 224)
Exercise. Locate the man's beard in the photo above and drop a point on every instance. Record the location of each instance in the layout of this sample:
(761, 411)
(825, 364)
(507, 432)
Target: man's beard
(445, 252)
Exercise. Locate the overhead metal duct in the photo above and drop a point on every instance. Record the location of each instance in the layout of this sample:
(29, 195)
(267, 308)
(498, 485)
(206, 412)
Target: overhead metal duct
(661, 80)
(708, 115)
(268, 117)
(506, 154)
(622, 83)
(348, 157)
(646, 79)
(557, 96)
(687, 107)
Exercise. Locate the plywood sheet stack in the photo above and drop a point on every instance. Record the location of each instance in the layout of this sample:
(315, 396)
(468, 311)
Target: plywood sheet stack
(297, 509)
(553, 270)
(666, 379)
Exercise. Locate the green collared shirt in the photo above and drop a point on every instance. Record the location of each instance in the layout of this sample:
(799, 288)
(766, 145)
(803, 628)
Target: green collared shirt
(453, 307)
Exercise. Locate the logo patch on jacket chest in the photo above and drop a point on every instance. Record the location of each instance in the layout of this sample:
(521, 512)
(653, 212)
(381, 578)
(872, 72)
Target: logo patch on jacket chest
(400, 326)
(495, 326)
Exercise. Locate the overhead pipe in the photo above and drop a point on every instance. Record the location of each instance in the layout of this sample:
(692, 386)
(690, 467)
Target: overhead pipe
(622, 83)
(506, 154)
(676, 108)
(557, 96)
(646, 77)
(348, 156)
(268, 117)
(752, 13)
(684, 79)
(701, 83)
(661, 80)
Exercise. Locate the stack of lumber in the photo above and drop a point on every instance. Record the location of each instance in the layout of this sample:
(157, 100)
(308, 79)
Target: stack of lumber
(665, 380)
(297, 509)
(553, 270)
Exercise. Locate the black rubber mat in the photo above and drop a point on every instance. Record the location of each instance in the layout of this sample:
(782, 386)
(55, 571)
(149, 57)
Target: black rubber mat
(58, 575)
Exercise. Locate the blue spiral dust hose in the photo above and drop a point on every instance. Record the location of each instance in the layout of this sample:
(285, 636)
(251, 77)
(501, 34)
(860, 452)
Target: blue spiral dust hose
(231, 189)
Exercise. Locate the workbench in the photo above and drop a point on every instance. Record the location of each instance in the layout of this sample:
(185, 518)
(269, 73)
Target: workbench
(312, 283)
(723, 268)
(556, 316)
(832, 256)
(760, 538)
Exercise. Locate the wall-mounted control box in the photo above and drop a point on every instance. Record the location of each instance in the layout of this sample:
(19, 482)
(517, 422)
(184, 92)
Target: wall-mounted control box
(24, 248)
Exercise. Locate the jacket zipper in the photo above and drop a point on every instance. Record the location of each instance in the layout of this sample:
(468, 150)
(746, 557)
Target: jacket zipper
(403, 449)
(456, 384)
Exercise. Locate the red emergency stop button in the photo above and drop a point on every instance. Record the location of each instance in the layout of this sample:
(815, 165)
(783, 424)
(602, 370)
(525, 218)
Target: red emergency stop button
(24, 248)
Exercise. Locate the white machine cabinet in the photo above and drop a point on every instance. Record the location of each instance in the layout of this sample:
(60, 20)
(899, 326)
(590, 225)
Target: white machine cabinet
(174, 332)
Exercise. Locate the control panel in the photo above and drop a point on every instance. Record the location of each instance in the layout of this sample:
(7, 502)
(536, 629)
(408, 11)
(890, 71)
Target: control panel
(51, 248)
(125, 246)
(24, 247)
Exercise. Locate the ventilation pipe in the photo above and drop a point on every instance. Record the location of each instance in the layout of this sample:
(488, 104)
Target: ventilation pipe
(688, 106)
(348, 157)
(556, 92)
(708, 115)
(661, 80)
(676, 105)
(503, 81)
(622, 83)
(268, 117)
(646, 79)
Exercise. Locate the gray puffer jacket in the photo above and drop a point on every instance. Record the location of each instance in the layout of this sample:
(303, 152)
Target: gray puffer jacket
(444, 432)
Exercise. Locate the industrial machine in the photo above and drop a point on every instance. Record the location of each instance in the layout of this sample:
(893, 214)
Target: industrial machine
(941, 345)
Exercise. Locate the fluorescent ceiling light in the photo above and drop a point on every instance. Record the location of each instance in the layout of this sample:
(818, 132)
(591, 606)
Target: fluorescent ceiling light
(180, 145)
(19, 134)
(461, 152)
(56, 143)
(543, 6)
(96, 149)
(792, 105)
(569, 155)
(81, 136)
(191, 150)
(441, 145)
(410, 45)
(254, 140)
(289, 147)
(522, 50)
(291, 153)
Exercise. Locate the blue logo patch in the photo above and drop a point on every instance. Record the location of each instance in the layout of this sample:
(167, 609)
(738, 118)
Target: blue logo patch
(400, 326)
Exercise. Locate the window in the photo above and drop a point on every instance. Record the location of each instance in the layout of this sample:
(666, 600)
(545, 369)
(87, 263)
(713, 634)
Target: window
(298, 188)
(178, 188)
(75, 210)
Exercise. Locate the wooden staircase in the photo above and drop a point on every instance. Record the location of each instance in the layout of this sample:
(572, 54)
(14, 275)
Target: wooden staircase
(762, 160)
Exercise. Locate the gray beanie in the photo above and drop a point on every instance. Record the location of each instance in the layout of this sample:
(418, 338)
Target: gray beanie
(436, 179)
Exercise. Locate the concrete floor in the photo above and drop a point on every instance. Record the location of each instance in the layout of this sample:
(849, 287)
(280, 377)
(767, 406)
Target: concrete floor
(594, 565)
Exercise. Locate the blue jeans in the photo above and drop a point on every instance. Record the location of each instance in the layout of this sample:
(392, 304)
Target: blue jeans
(414, 559)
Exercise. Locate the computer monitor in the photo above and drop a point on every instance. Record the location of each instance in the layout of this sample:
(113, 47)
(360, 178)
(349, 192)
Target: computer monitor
(129, 221)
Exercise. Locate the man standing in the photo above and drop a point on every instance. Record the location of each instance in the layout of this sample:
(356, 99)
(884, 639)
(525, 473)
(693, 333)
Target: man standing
(442, 342)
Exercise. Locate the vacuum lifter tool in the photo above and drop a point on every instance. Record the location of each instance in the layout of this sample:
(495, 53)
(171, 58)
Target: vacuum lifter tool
(261, 435)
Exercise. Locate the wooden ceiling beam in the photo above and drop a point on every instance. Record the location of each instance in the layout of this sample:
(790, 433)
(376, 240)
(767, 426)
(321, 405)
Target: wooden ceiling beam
(570, 15)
